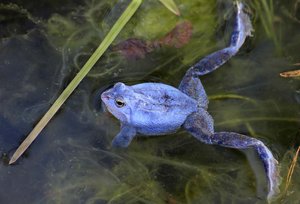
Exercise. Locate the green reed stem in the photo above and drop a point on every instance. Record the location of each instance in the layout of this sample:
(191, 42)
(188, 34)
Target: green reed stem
(115, 30)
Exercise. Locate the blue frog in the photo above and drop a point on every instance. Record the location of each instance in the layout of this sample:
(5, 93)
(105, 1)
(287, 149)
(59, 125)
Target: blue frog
(159, 109)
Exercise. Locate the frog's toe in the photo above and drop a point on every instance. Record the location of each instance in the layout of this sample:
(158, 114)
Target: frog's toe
(245, 20)
(274, 179)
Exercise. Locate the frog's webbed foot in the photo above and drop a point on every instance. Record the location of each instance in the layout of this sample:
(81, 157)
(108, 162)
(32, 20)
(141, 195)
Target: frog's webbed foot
(124, 137)
(200, 126)
(270, 164)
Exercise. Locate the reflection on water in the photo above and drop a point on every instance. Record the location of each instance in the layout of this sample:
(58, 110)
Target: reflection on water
(72, 160)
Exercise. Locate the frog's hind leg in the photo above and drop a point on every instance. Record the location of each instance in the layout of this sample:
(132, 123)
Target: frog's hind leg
(190, 83)
(200, 126)
(242, 29)
(270, 164)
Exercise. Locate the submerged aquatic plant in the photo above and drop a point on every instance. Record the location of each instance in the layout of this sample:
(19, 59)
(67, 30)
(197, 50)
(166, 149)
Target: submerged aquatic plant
(267, 16)
(134, 48)
(293, 13)
(291, 169)
(11, 26)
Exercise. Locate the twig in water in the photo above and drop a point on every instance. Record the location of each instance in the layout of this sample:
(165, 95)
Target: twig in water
(291, 170)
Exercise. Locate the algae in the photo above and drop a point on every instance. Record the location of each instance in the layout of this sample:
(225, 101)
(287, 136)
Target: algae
(74, 163)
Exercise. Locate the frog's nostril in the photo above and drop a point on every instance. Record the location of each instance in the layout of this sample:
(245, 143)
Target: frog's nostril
(105, 96)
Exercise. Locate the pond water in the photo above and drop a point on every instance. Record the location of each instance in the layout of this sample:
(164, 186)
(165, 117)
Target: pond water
(44, 44)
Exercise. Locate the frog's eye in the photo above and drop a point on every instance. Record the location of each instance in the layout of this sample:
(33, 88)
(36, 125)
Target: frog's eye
(119, 102)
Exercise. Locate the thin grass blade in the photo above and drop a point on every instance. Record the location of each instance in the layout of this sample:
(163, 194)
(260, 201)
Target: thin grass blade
(115, 30)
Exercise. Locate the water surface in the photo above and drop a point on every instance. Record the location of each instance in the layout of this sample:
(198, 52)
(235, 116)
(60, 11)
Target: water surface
(42, 46)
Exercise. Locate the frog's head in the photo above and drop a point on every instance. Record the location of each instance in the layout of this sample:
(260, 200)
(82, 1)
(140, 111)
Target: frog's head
(118, 101)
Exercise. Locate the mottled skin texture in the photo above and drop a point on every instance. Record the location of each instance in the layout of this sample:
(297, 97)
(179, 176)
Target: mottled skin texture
(159, 109)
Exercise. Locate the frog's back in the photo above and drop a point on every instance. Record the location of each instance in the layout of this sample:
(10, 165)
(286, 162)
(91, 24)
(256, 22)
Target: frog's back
(160, 108)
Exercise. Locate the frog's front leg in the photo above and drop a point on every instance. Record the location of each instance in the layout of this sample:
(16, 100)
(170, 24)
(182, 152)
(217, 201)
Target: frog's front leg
(200, 126)
(124, 137)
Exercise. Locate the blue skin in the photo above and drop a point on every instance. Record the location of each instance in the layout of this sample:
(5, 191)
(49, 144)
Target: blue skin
(159, 109)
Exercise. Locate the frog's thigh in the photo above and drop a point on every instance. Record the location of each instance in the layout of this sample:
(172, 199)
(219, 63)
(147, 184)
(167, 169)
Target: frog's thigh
(192, 86)
(201, 125)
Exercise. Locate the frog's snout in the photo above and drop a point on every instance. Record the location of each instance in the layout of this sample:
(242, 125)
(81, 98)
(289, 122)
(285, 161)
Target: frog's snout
(105, 96)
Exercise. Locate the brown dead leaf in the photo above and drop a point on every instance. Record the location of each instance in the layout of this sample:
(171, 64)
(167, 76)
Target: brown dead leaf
(289, 74)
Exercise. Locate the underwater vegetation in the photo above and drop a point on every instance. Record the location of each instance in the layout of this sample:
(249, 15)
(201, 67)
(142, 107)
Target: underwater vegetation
(43, 47)
(137, 48)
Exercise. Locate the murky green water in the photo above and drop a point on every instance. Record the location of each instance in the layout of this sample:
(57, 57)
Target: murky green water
(44, 44)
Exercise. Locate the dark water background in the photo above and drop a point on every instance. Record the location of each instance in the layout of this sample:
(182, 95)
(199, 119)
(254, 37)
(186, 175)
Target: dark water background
(44, 43)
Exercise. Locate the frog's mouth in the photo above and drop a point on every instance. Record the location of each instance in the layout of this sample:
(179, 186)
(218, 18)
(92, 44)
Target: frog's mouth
(103, 107)
(106, 111)
(106, 99)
